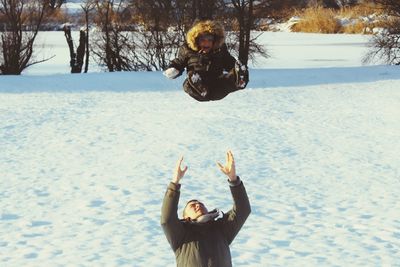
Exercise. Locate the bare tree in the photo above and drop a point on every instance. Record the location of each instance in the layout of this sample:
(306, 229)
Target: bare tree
(203, 9)
(244, 16)
(87, 8)
(392, 7)
(156, 48)
(244, 43)
(54, 4)
(386, 44)
(277, 9)
(181, 15)
(157, 40)
(160, 28)
(76, 58)
(113, 46)
(22, 22)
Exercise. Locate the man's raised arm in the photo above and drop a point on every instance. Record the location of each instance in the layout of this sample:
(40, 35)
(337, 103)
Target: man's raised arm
(235, 218)
(173, 228)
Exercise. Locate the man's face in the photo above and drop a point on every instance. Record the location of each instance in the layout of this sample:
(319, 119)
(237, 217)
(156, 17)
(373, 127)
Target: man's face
(206, 43)
(194, 209)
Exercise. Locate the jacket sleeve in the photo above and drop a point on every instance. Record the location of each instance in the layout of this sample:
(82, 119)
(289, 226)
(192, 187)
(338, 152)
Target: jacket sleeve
(229, 60)
(173, 228)
(235, 218)
(180, 62)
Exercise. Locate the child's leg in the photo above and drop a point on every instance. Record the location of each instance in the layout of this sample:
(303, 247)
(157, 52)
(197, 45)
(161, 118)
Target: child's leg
(223, 85)
(193, 92)
(242, 75)
(197, 82)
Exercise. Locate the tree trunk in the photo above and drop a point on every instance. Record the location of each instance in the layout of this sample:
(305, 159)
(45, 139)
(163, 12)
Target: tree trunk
(87, 41)
(244, 15)
(72, 55)
(76, 59)
(80, 52)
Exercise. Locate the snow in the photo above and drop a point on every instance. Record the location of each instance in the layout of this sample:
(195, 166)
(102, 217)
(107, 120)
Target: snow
(85, 160)
(287, 25)
(73, 6)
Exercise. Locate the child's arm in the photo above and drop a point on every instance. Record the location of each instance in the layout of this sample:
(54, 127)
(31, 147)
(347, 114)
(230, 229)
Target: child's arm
(228, 59)
(180, 61)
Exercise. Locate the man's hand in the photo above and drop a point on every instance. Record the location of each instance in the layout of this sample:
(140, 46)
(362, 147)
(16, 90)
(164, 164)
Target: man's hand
(179, 173)
(229, 169)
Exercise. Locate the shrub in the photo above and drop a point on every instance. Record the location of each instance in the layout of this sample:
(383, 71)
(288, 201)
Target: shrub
(362, 18)
(355, 27)
(360, 10)
(385, 46)
(317, 19)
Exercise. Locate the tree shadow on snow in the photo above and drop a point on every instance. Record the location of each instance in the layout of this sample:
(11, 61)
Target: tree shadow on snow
(267, 78)
(156, 82)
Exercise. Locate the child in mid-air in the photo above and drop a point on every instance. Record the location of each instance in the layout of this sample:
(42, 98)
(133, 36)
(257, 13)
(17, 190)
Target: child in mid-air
(212, 72)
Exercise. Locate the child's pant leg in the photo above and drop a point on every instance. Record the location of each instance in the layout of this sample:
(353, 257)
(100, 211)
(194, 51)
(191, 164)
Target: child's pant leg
(223, 85)
(190, 91)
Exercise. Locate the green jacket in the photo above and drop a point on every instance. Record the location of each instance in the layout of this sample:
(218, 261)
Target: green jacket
(207, 244)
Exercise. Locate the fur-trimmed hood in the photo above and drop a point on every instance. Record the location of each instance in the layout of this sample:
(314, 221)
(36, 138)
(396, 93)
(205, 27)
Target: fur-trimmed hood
(206, 27)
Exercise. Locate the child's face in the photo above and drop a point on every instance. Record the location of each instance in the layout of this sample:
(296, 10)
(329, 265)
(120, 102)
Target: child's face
(206, 43)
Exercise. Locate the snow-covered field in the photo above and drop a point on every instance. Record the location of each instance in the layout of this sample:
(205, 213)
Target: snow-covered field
(85, 160)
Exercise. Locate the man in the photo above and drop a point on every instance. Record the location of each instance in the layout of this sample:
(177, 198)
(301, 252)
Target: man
(206, 58)
(201, 238)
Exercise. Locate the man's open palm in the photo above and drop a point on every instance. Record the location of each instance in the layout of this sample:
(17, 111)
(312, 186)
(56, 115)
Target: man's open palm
(179, 173)
(229, 168)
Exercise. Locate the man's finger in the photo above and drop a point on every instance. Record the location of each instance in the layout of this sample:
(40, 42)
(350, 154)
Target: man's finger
(178, 164)
(184, 169)
(221, 167)
(232, 159)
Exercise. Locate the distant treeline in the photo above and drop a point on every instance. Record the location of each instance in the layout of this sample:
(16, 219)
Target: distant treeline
(175, 12)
